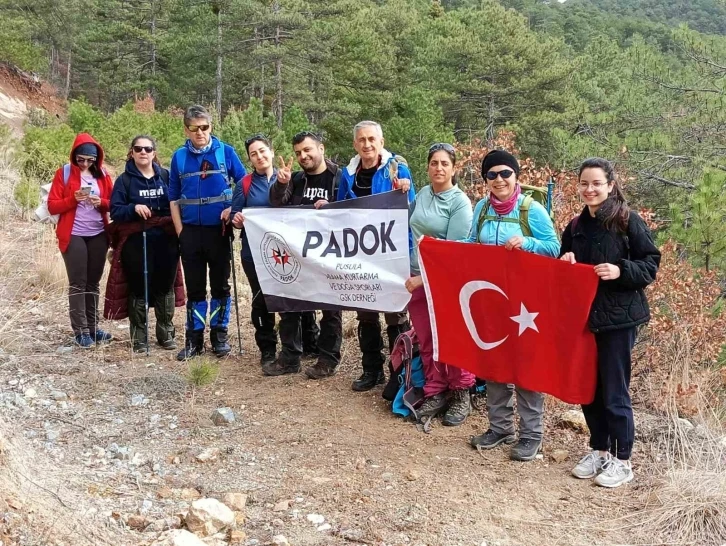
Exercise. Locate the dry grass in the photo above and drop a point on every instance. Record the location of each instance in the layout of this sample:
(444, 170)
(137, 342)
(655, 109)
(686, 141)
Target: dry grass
(49, 266)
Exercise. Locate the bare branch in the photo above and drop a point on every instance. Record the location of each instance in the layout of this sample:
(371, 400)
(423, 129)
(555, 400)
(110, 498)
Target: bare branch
(676, 183)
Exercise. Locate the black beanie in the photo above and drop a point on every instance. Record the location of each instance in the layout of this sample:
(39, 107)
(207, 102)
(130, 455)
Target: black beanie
(88, 149)
(498, 157)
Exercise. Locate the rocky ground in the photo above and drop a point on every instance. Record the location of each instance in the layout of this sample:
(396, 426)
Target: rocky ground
(105, 447)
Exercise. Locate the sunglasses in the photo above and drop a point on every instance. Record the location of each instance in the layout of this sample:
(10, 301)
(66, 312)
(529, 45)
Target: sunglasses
(504, 173)
(197, 128)
(305, 134)
(442, 146)
(89, 160)
(147, 149)
(254, 138)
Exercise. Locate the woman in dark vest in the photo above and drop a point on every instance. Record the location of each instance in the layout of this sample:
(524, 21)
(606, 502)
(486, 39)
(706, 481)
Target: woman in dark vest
(616, 241)
(140, 203)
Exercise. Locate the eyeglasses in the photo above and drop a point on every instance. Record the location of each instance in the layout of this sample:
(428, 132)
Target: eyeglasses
(147, 149)
(197, 128)
(302, 135)
(89, 160)
(595, 185)
(504, 173)
(442, 146)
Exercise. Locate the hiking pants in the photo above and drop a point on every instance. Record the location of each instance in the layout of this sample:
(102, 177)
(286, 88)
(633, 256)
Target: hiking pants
(85, 258)
(262, 319)
(500, 405)
(202, 248)
(440, 377)
(162, 258)
(370, 339)
(328, 342)
(610, 415)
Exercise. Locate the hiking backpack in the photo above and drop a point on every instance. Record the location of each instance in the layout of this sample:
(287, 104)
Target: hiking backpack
(541, 195)
(405, 387)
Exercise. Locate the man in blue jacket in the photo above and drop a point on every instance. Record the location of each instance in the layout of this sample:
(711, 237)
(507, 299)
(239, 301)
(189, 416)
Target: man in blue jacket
(374, 170)
(201, 197)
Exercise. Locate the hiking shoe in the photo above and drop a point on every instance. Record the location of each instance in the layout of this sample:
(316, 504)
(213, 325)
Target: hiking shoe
(368, 380)
(491, 439)
(278, 367)
(168, 344)
(433, 405)
(190, 350)
(84, 341)
(267, 358)
(525, 449)
(459, 408)
(320, 370)
(100, 336)
(589, 466)
(140, 347)
(614, 473)
(220, 343)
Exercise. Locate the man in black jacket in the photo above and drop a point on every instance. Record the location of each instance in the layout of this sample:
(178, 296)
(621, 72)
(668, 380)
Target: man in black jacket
(316, 184)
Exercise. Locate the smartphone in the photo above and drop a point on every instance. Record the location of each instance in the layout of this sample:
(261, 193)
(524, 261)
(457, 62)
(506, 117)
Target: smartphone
(86, 190)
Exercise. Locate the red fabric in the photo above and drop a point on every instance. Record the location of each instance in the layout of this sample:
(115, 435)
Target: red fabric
(62, 201)
(116, 303)
(560, 358)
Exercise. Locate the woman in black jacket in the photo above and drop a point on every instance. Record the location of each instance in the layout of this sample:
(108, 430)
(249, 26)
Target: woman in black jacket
(140, 202)
(608, 235)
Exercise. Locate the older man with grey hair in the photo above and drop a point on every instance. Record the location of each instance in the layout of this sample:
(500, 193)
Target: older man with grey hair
(374, 170)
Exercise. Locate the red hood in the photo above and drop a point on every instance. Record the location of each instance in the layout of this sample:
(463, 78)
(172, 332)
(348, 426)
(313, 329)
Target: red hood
(85, 138)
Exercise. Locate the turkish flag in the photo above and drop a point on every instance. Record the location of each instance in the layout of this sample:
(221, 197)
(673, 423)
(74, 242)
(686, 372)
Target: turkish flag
(511, 316)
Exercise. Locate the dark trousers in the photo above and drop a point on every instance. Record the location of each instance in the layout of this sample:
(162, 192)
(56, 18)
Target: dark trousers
(85, 258)
(610, 416)
(262, 319)
(162, 258)
(202, 248)
(292, 333)
(370, 339)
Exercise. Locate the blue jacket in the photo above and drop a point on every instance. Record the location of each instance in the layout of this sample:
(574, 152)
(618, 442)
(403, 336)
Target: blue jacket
(152, 192)
(495, 232)
(258, 196)
(196, 187)
(381, 180)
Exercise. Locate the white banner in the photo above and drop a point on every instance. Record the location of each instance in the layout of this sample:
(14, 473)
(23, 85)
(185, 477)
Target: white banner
(351, 254)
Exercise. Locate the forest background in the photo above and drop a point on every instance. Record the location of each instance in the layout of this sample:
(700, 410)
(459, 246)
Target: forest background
(641, 82)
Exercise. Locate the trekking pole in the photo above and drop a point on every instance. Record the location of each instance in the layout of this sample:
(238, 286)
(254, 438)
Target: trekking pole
(236, 303)
(146, 292)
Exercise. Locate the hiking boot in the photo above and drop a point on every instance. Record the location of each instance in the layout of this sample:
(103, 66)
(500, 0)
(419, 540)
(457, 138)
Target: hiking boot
(140, 347)
(491, 439)
(278, 367)
(168, 344)
(525, 449)
(368, 380)
(99, 336)
(193, 345)
(220, 345)
(614, 473)
(320, 370)
(590, 465)
(164, 311)
(267, 358)
(459, 408)
(84, 341)
(433, 405)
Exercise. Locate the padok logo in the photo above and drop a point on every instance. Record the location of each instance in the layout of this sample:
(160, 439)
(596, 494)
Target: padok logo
(278, 260)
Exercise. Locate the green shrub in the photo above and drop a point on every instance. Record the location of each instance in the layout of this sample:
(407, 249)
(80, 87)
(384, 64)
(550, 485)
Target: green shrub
(27, 193)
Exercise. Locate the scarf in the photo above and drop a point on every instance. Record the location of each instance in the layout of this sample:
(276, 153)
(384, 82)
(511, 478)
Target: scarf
(194, 150)
(502, 208)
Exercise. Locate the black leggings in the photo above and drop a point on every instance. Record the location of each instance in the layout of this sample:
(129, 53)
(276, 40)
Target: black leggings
(85, 258)
(202, 247)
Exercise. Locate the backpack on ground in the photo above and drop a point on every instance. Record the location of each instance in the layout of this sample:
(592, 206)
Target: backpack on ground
(42, 214)
(541, 195)
(405, 387)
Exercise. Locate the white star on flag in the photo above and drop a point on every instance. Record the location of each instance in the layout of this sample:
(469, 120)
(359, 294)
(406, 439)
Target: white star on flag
(525, 319)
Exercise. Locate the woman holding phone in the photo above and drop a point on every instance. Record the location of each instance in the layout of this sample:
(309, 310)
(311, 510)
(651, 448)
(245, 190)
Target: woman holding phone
(80, 194)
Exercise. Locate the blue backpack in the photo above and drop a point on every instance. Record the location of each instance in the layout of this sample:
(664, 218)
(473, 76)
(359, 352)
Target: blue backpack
(405, 388)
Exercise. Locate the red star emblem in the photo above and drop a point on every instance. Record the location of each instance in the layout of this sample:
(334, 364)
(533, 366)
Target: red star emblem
(281, 257)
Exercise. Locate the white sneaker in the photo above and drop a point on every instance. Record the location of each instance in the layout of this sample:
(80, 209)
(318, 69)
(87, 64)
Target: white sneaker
(614, 473)
(590, 465)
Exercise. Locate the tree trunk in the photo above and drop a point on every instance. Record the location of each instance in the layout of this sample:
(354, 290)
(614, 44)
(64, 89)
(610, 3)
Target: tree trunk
(219, 64)
(152, 89)
(278, 80)
(67, 90)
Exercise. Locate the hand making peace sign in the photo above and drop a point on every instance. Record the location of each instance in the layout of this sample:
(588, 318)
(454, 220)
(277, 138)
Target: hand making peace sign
(284, 171)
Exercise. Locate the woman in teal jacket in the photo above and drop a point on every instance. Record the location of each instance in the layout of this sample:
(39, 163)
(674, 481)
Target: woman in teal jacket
(499, 224)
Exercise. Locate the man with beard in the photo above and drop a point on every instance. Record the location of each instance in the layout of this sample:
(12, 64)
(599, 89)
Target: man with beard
(316, 184)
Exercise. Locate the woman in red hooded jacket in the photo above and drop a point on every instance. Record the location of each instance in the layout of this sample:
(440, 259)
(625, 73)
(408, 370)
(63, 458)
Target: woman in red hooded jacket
(81, 196)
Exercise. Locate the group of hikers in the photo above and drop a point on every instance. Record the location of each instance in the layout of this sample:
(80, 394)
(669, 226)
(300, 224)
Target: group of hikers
(152, 216)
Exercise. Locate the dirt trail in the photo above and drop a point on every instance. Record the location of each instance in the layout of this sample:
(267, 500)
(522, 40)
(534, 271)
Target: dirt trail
(374, 478)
